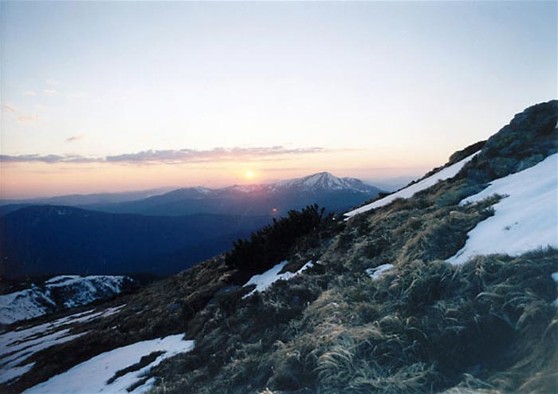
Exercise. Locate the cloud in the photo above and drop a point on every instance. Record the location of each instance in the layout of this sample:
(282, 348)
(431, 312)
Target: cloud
(28, 118)
(9, 108)
(217, 154)
(50, 159)
(74, 138)
(52, 82)
(170, 156)
(20, 115)
(30, 93)
(50, 92)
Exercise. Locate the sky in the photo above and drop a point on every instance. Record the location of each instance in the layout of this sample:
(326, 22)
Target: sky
(118, 96)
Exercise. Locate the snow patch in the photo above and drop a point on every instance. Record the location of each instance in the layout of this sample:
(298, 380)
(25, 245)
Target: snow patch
(14, 372)
(37, 301)
(16, 347)
(525, 219)
(265, 280)
(13, 360)
(446, 173)
(92, 376)
(379, 271)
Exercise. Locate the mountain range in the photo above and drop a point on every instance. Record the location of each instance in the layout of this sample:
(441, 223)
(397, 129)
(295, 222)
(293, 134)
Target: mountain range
(176, 229)
(324, 189)
(77, 200)
(334, 193)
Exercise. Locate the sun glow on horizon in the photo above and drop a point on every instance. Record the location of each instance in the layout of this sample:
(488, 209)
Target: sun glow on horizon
(249, 175)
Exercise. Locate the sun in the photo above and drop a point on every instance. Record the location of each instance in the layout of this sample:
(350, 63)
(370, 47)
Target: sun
(249, 174)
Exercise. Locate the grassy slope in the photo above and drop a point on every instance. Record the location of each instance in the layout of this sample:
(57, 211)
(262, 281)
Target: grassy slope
(427, 326)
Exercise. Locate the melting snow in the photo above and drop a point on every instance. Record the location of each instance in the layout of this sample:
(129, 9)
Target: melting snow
(526, 219)
(16, 347)
(92, 376)
(379, 271)
(446, 173)
(265, 280)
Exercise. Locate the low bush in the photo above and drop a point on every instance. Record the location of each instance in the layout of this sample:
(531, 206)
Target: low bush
(270, 245)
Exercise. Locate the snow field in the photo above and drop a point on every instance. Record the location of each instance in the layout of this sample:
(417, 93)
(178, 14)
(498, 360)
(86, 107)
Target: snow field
(525, 219)
(92, 376)
(17, 346)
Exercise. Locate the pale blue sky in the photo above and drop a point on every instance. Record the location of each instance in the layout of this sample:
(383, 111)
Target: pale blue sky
(356, 88)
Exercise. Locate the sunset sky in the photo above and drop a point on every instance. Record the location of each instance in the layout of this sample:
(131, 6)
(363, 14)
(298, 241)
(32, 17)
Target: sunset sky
(114, 96)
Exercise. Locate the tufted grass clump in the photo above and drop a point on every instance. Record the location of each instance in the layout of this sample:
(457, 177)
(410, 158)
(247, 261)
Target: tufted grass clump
(431, 327)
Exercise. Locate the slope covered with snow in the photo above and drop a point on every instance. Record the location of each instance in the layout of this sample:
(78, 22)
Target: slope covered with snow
(526, 218)
(446, 173)
(60, 292)
(17, 347)
(115, 371)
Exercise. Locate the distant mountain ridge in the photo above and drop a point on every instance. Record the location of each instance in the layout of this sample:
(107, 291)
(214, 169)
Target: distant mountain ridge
(85, 199)
(325, 181)
(322, 181)
(333, 193)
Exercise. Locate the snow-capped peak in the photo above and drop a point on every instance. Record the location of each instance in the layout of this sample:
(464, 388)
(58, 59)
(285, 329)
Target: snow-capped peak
(323, 181)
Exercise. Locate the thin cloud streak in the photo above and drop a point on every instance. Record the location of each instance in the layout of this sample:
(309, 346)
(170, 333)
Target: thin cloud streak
(75, 138)
(9, 108)
(169, 156)
(20, 115)
(49, 159)
(28, 118)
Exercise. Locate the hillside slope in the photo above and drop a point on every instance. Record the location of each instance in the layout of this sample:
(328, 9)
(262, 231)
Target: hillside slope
(371, 305)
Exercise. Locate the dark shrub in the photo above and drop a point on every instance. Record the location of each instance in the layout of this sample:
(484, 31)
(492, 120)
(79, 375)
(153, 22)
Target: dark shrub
(271, 244)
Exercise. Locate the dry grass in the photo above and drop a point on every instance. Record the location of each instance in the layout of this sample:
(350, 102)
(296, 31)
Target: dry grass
(426, 327)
